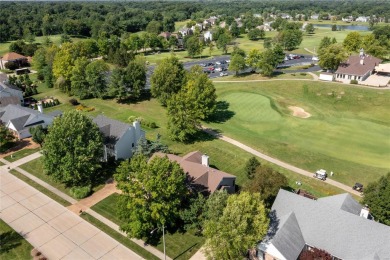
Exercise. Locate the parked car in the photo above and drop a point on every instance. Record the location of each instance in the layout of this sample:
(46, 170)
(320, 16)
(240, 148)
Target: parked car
(223, 74)
(211, 69)
(223, 62)
(219, 69)
(218, 63)
(202, 64)
(315, 58)
(206, 71)
(227, 61)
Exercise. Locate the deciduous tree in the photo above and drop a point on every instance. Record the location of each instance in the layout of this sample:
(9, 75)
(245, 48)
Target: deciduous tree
(237, 63)
(38, 134)
(73, 149)
(222, 42)
(243, 223)
(96, 76)
(267, 182)
(152, 193)
(193, 46)
(167, 79)
(377, 197)
(79, 83)
(332, 56)
(353, 42)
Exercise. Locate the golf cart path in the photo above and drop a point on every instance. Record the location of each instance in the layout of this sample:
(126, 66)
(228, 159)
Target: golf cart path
(278, 162)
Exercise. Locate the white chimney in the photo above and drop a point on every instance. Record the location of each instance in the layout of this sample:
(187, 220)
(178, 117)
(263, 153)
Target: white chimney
(137, 128)
(365, 212)
(362, 61)
(205, 160)
(40, 108)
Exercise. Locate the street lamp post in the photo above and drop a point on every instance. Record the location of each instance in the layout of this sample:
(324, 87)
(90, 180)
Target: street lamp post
(151, 232)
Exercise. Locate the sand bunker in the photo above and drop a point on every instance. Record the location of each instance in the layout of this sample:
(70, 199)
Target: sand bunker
(299, 112)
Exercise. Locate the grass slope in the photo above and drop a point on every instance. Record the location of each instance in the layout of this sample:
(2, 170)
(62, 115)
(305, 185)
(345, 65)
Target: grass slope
(20, 154)
(13, 245)
(178, 245)
(347, 133)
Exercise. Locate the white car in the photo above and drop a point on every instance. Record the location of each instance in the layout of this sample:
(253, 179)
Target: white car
(223, 74)
(228, 61)
(217, 63)
(218, 69)
(315, 58)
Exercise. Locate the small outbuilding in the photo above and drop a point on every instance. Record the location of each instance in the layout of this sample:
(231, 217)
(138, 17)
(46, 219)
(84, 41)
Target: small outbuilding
(326, 76)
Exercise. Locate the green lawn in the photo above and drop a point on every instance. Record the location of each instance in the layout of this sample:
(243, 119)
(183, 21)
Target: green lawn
(224, 156)
(178, 245)
(118, 237)
(40, 188)
(20, 154)
(13, 245)
(35, 167)
(347, 133)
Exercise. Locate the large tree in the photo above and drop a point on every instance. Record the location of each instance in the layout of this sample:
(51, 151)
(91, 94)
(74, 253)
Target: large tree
(5, 136)
(96, 76)
(290, 39)
(267, 182)
(251, 166)
(377, 197)
(332, 56)
(237, 63)
(79, 84)
(353, 42)
(243, 223)
(62, 65)
(152, 194)
(135, 76)
(38, 134)
(167, 79)
(73, 149)
(193, 46)
(222, 42)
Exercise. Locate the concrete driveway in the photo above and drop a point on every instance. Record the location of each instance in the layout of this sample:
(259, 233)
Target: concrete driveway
(50, 227)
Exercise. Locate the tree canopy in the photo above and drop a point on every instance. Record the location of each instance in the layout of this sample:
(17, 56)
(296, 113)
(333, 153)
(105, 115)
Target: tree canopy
(152, 193)
(331, 56)
(242, 224)
(167, 79)
(73, 149)
(377, 197)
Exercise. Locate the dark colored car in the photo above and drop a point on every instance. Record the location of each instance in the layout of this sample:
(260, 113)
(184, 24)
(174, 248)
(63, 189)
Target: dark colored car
(358, 187)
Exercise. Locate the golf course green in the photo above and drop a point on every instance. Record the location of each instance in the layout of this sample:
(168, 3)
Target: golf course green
(348, 131)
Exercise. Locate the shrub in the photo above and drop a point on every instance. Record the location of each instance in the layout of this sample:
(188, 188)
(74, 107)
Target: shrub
(80, 192)
(146, 123)
(73, 101)
(11, 65)
(56, 101)
(292, 74)
(354, 81)
(303, 73)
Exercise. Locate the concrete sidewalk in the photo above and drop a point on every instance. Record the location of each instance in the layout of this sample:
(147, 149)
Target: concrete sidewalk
(51, 228)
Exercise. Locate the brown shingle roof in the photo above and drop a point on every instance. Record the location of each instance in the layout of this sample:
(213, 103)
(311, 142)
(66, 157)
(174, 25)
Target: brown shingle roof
(353, 67)
(12, 56)
(202, 175)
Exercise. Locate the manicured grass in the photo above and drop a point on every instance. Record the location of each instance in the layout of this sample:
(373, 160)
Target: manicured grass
(223, 156)
(347, 133)
(40, 188)
(118, 237)
(178, 245)
(20, 154)
(35, 167)
(13, 245)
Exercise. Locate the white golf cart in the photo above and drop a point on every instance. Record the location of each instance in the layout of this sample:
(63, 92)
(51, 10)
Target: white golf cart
(320, 174)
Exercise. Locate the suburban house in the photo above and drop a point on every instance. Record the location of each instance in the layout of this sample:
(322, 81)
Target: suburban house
(199, 26)
(14, 57)
(285, 16)
(347, 19)
(337, 224)
(8, 90)
(383, 69)
(213, 20)
(264, 27)
(5, 101)
(363, 19)
(326, 76)
(196, 165)
(120, 139)
(185, 31)
(208, 36)
(20, 119)
(314, 16)
(357, 67)
(165, 35)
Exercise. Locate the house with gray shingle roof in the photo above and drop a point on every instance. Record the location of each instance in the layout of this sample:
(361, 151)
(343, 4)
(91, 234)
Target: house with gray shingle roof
(335, 224)
(8, 90)
(20, 119)
(120, 139)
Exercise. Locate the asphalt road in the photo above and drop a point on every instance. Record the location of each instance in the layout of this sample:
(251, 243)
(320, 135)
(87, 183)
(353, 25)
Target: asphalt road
(306, 60)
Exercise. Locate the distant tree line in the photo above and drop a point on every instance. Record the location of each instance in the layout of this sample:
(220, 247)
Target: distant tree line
(29, 19)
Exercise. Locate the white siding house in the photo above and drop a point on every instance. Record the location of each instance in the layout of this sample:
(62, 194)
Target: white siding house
(120, 139)
(208, 36)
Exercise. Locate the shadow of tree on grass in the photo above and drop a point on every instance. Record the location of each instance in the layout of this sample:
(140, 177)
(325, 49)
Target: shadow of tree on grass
(9, 240)
(221, 113)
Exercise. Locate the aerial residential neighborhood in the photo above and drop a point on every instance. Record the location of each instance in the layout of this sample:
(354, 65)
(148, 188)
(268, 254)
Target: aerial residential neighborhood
(193, 130)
